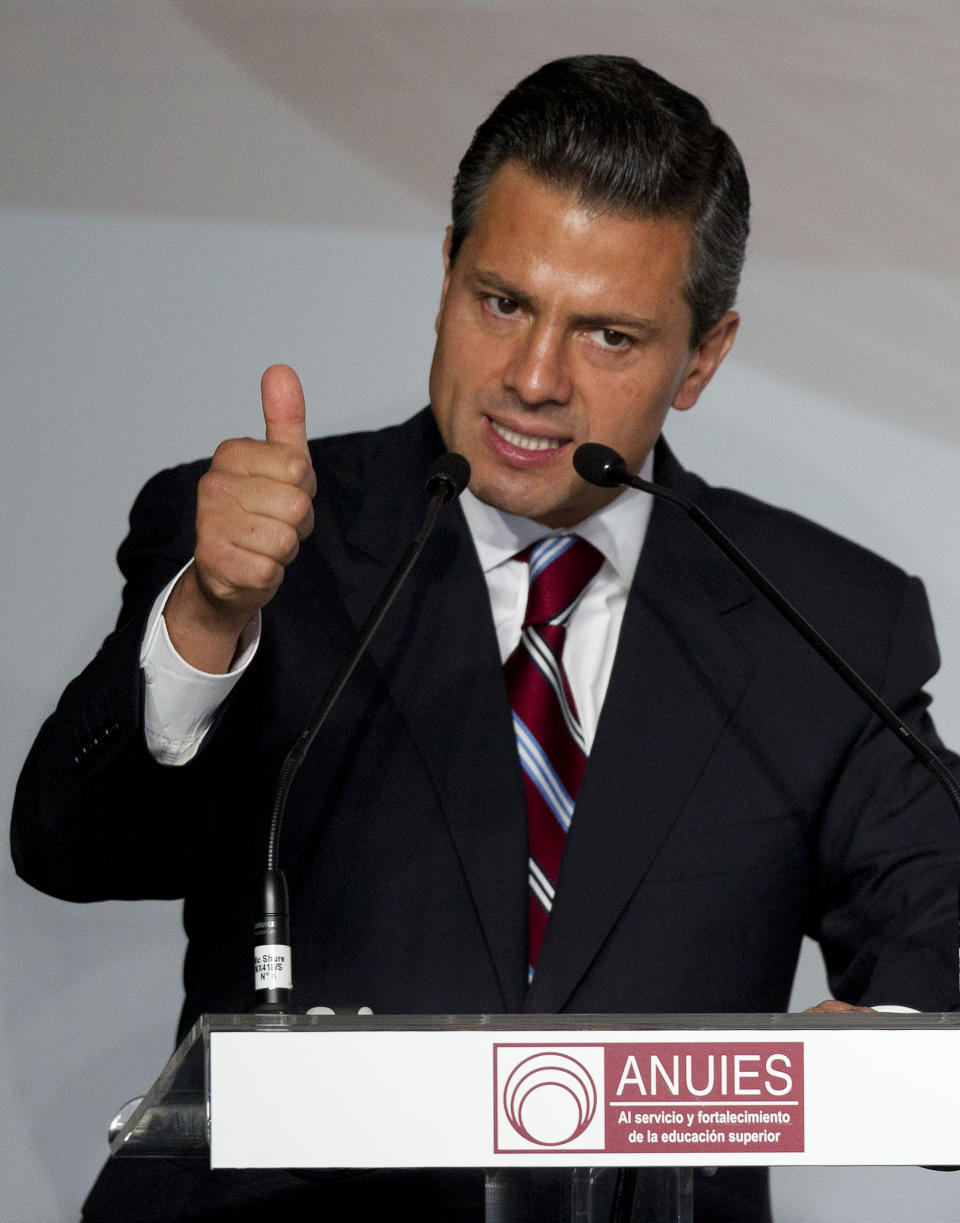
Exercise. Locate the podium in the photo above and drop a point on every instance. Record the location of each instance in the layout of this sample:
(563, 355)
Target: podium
(602, 1102)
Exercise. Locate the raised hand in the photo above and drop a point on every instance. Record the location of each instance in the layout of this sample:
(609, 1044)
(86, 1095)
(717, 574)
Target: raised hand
(254, 508)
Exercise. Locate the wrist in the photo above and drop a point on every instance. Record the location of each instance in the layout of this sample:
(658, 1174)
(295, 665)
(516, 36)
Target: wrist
(204, 631)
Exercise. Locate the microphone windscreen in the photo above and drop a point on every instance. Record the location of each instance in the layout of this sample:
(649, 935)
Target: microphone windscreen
(448, 476)
(599, 464)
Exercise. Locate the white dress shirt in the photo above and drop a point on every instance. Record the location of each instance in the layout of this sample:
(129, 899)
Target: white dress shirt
(617, 532)
(181, 702)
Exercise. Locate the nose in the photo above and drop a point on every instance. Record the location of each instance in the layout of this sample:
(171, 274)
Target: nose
(537, 370)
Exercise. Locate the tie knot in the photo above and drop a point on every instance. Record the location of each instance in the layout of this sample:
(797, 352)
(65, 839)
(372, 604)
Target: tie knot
(560, 568)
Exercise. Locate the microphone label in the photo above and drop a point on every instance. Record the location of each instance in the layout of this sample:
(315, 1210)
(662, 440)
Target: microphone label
(271, 967)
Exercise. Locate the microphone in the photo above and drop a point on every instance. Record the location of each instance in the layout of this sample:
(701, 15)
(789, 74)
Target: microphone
(448, 476)
(603, 466)
(273, 980)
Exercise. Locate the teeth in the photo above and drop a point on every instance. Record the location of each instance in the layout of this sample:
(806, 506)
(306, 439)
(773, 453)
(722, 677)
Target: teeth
(525, 442)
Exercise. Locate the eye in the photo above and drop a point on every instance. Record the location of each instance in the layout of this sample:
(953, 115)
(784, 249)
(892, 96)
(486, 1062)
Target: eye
(501, 306)
(609, 338)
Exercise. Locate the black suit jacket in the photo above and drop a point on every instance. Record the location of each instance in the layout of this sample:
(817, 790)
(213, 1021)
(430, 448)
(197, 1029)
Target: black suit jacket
(737, 794)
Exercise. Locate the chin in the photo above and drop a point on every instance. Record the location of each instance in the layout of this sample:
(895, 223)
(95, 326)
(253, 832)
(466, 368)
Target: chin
(510, 502)
(552, 517)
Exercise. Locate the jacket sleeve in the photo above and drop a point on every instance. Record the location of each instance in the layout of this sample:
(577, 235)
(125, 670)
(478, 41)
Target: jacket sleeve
(95, 817)
(889, 845)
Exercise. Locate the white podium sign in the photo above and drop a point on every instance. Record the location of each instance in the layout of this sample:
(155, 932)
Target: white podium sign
(483, 1094)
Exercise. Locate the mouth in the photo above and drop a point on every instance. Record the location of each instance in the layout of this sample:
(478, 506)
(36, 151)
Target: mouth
(525, 441)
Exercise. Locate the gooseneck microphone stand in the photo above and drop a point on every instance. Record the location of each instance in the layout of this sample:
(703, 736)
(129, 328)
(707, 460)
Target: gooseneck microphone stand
(603, 466)
(273, 981)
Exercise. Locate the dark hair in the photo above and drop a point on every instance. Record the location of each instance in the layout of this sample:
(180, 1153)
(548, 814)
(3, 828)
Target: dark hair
(626, 141)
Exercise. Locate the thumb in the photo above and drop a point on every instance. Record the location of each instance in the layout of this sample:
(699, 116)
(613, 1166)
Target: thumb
(284, 412)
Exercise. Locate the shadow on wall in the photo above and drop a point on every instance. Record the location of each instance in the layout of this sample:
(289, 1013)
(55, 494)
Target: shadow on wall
(848, 150)
(854, 198)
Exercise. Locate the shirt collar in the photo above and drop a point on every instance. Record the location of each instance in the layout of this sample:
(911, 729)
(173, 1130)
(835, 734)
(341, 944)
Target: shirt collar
(617, 530)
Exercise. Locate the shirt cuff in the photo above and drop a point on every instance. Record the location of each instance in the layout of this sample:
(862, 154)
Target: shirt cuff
(181, 702)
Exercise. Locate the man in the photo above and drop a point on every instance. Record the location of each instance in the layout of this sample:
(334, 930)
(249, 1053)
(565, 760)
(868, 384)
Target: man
(728, 794)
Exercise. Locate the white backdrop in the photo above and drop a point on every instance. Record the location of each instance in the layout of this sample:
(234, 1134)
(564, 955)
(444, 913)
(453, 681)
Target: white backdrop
(191, 191)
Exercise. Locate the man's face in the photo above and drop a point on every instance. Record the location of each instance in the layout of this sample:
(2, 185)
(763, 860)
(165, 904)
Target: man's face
(558, 326)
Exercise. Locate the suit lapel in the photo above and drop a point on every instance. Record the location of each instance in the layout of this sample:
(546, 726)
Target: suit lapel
(438, 657)
(677, 678)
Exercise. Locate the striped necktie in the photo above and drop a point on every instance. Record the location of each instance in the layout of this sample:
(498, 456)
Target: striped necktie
(552, 749)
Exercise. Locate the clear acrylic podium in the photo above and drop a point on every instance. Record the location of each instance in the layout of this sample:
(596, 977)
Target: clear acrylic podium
(608, 1113)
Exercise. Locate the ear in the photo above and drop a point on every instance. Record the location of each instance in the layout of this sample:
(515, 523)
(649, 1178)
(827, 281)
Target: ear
(705, 360)
(447, 240)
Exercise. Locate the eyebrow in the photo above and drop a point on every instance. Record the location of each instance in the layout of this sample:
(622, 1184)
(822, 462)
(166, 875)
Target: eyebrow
(490, 281)
(494, 283)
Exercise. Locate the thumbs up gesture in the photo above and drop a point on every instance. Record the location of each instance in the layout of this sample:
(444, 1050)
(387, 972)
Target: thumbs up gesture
(254, 508)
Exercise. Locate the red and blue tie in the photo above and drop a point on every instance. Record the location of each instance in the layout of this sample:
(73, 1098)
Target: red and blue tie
(552, 749)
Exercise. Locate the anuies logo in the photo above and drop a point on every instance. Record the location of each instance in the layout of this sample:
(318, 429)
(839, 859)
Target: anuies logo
(548, 1098)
